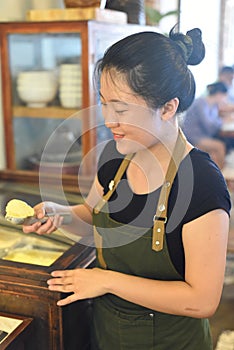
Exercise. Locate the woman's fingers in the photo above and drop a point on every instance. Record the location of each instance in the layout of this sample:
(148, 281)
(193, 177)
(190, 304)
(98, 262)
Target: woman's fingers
(31, 228)
(81, 283)
(62, 283)
(63, 273)
(43, 227)
(61, 278)
(68, 300)
(47, 227)
(63, 288)
(39, 211)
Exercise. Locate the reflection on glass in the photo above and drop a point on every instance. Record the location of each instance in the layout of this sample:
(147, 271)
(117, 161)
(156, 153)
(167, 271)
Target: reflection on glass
(16, 246)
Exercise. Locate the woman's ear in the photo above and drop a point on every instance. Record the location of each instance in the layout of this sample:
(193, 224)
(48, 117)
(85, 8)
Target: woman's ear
(170, 108)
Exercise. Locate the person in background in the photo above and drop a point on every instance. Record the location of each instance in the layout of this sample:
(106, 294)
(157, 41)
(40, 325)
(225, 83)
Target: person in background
(202, 122)
(226, 75)
(159, 207)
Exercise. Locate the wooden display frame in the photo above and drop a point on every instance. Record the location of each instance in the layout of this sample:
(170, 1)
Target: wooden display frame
(15, 339)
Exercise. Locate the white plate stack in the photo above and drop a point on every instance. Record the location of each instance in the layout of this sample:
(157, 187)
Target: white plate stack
(70, 85)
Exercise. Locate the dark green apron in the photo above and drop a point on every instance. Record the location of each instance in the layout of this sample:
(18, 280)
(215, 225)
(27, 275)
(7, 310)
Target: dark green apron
(122, 325)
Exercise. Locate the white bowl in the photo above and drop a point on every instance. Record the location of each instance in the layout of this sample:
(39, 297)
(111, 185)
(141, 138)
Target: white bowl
(37, 78)
(72, 94)
(71, 81)
(43, 80)
(70, 75)
(74, 89)
(51, 84)
(70, 100)
(70, 67)
(36, 97)
(36, 75)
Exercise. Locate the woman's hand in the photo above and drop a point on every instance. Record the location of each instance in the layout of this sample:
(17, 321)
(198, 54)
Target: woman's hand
(82, 283)
(47, 227)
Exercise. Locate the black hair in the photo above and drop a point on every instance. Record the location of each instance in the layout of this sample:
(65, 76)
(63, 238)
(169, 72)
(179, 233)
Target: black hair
(217, 87)
(226, 69)
(155, 65)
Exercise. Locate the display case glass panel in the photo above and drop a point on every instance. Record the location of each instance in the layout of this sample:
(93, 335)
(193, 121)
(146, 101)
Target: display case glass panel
(31, 249)
(46, 78)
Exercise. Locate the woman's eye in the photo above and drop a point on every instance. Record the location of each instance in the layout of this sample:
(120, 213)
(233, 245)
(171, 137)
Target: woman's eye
(121, 112)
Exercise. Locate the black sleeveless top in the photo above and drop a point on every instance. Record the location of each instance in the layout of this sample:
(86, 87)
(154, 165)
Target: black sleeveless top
(198, 188)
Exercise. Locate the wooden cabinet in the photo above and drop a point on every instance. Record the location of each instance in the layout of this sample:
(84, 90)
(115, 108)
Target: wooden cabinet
(29, 127)
(26, 262)
(24, 292)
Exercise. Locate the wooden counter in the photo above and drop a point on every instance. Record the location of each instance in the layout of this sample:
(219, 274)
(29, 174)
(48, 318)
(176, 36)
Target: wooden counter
(23, 286)
(24, 291)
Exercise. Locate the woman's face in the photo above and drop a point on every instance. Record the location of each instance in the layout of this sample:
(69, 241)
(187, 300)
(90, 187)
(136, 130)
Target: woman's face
(133, 124)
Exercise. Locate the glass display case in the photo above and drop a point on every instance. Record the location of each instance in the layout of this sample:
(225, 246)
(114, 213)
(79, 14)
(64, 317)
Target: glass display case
(47, 78)
(31, 249)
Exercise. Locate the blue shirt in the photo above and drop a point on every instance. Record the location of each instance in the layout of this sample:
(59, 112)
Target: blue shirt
(201, 120)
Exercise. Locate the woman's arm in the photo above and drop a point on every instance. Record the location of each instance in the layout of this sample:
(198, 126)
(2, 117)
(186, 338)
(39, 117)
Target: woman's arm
(81, 214)
(205, 243)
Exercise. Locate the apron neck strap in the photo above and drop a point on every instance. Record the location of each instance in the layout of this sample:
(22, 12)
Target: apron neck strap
(113, 183)
(160, 217)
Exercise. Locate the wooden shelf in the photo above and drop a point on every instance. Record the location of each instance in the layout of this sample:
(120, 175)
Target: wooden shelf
(71, 183)
(44, 112)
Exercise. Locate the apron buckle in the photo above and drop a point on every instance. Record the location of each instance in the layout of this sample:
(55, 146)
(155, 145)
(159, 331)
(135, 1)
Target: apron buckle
(156, 218)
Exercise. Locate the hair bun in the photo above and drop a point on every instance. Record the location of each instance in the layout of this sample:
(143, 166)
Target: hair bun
(191, 45)
(198, 47)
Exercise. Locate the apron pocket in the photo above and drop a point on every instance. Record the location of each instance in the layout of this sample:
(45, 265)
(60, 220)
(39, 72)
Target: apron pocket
(121, 331)
(137, 332)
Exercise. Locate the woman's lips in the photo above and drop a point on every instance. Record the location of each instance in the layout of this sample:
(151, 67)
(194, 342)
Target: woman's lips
(118, 137)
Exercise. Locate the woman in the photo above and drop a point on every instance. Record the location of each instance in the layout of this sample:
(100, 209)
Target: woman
(202, 122)
(161, 243)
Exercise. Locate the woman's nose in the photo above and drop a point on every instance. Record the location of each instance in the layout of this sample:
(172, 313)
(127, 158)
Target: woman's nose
(111, 123)
(111, 120)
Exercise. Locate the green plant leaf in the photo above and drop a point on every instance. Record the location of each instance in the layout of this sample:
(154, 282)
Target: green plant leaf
(154, 16)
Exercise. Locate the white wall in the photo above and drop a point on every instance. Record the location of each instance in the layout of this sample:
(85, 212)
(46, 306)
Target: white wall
(204, 15)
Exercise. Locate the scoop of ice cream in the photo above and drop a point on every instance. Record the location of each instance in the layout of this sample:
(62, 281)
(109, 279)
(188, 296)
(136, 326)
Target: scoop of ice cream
(18, 209)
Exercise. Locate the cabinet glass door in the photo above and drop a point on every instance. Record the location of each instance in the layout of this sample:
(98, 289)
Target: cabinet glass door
(46, 85)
